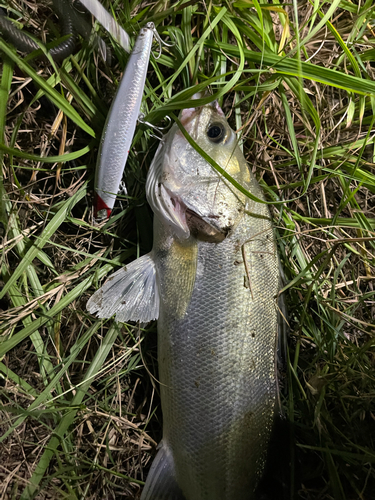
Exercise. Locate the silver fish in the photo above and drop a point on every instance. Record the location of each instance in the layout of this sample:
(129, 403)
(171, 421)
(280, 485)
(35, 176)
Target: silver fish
(211, 280)
(120, 125)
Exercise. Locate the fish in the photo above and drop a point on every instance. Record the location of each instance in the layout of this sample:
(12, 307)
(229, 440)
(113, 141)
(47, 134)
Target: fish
(211, 280)
(120, 125)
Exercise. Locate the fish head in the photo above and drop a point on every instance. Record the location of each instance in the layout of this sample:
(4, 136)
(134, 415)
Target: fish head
(185, 190)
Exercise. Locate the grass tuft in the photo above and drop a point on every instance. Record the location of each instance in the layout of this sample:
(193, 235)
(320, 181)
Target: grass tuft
(79, 405)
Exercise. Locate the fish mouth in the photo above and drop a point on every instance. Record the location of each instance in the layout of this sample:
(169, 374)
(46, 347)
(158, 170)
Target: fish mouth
(187, 114)
(201, 227)
(203, 230)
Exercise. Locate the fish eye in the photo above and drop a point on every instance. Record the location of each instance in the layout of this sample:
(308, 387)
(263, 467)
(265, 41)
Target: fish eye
(216, 132)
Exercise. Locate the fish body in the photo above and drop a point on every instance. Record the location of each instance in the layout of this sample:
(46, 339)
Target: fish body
(120, 125)
(216, 273)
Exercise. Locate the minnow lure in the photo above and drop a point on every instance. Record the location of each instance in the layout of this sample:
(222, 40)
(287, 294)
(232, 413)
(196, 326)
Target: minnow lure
(120, 125)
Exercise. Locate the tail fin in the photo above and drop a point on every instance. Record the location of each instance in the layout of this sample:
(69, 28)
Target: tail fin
(161, 481)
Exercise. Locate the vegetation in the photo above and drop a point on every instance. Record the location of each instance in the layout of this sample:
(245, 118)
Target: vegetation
(79, 402)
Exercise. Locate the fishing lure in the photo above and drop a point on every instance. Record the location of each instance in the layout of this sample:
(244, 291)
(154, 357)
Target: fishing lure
(120, 125)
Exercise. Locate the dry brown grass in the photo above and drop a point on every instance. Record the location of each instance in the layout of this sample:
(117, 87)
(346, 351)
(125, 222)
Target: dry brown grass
(327, 248)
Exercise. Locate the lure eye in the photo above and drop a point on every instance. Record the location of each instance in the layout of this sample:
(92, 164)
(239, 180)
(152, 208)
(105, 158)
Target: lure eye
(216, 132)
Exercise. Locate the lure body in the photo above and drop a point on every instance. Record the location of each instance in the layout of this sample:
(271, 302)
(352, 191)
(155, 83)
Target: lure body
(120, 125)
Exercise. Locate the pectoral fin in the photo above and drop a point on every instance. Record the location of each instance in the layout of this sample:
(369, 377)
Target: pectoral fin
(161, 482)
(131, 293)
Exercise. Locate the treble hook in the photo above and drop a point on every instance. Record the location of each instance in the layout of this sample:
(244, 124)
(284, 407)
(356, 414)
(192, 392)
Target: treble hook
(158, 130)
(124, 192)
(158, 38)
(122, 189)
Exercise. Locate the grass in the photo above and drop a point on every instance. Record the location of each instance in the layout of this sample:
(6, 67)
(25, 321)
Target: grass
(80, 415)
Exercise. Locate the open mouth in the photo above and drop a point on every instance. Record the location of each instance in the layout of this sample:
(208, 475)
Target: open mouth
(203, 230)
(201, 227)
